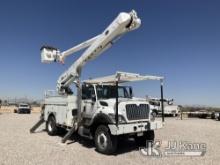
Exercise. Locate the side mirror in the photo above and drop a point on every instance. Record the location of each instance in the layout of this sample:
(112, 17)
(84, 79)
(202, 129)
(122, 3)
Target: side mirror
(93, 98)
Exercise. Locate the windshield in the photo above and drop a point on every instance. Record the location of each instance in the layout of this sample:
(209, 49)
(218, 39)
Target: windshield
(154, 103)
(108, 91)
(23, 105)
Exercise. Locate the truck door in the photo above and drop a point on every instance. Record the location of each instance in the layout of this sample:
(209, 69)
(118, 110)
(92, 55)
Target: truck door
(89, 104)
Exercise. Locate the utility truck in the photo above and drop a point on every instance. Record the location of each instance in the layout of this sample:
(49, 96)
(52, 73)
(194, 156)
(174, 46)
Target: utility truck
(103, 109)
(169, 108)
(23, 108)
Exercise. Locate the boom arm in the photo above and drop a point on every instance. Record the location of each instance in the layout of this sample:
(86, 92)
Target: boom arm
(123, 23)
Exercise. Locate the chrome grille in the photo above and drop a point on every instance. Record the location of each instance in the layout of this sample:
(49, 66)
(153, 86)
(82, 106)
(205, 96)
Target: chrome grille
(135, 112)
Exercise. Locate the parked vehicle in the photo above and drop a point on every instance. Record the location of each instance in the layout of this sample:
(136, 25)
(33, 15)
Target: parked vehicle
(213, 115)
(169, 108)
(217, 115)
(23, 108)
(203, 114)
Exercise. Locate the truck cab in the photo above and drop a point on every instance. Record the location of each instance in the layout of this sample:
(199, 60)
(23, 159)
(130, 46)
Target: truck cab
(102, 99)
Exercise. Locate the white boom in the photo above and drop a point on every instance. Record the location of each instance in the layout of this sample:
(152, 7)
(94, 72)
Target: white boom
(123, 23)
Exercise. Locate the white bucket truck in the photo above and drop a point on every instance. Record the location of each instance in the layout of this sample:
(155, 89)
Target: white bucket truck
(102, 109)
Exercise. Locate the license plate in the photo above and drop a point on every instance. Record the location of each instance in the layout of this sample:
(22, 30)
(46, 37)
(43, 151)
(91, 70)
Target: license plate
(140, 134)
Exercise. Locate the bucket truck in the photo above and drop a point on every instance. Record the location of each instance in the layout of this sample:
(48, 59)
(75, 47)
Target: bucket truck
(169, 108)
(102, 109)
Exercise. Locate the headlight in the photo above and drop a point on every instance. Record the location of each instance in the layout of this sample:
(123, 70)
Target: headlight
(121, 118)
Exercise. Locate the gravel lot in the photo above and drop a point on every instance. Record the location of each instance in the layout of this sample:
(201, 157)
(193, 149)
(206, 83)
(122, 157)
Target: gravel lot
(18, 146)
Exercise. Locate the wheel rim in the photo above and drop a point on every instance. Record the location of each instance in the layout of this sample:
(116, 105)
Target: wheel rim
(50, 127)
(102, 141)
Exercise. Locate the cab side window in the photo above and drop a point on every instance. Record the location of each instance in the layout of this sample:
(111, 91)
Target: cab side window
(87, 92)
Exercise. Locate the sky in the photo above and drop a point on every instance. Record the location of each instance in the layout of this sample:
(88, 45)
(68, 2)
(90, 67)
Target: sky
(177, 39)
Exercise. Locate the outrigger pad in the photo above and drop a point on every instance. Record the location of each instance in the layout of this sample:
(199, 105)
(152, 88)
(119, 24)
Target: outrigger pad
(41, 121)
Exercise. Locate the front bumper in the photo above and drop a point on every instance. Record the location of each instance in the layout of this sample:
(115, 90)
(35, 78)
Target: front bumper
(24, 110)
(134, 127)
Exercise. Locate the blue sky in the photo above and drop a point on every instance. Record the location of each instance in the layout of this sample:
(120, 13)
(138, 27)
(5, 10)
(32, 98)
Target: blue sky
(177, 39)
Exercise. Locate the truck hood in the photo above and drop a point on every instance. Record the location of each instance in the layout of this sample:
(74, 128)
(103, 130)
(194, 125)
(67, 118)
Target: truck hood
(122, 106)
(111, 102)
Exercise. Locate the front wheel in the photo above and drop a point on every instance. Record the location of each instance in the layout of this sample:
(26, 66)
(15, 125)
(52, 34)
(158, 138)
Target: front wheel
(105, 142)
(51, 126)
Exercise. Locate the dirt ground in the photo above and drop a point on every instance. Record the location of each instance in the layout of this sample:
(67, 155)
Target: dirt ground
(18, 146)
(10, 109)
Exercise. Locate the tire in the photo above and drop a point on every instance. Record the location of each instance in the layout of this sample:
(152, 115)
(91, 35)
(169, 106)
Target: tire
(154, 113)
(51, 126)
(148, 136)
(105, 142)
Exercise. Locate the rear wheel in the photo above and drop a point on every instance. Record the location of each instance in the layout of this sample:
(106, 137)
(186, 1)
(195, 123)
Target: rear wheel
(148, 136)
(105, 142)
(51, 126)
